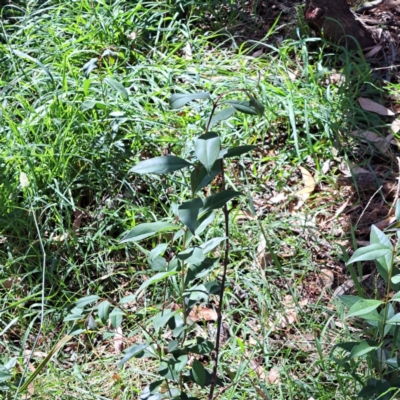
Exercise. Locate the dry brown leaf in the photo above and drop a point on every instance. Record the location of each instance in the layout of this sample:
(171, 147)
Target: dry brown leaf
(118, 341)
(327, 277)
(346, 286)
(372, 137)
(273, 376)
(372, 106)
(309, 184)
(279, 198)
(203, 314)
(326, 166)
(339, 210)
(373, 51)
(395, 125)
(262, 258)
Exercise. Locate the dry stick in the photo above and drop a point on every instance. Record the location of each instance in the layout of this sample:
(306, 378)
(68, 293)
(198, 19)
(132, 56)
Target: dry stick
(369, 201)
(215, 355)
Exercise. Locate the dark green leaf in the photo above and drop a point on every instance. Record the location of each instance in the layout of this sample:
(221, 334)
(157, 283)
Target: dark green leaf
(180, 363)
(221, 116)
(235, 151)
(243, 106)
(162, 318)
(188, 213)
(158, 264)
(104, 311)
(395, 320)
(146, 230)
(207, 149)
(160, 165)
(202, 346)
(218, 200)
(173, 345)
(199, 373)
(179, 100)
(259, 107)
(117, 86)
(200, 270)
(206, 219)
(200, 178)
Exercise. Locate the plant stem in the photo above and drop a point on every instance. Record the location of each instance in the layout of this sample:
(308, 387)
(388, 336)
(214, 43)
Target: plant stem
(221, 294)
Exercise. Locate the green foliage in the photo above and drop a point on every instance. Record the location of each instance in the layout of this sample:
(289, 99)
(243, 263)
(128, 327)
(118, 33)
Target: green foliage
(382, 353)
(188, 272)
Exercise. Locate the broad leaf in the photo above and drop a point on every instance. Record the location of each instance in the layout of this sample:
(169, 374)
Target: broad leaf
(179, 100)
(134, 351)
(221, 116)
(116, 317)
(148, 229)
(235, 151)
(218, 200)
(154, 279)
(104, 311)
(259, 107)
(196, 292)
(362, 307)
(243, 106)
(395, 320)
(193, 255)
(211, 244)
(117, 86)
(207, 149)
(87, 300)
(363, 348)
(200, 177)
(188, 213)
(199, 373)
(202, 346)
(161, 319)
(160, 165)
(369, 253)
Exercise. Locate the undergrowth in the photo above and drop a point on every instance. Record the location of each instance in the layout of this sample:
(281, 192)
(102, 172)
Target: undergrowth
(84, 95)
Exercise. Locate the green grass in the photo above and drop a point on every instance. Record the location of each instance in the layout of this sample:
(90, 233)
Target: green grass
(76, 137)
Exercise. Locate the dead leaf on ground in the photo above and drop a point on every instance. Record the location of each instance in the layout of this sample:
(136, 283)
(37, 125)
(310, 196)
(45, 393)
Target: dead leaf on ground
(118, 341)
(346, 286)
(289, 316)
(371, 137)
(372, 106)
(373, 51)
(395, 125)
(278, 198)
(203, 314)
(309, 187)
(326, 278)
(273, 376)
(263, 259)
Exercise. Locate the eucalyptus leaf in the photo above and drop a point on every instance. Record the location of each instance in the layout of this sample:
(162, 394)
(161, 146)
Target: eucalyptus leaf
(207, 149)
(218, 200)
(200, 177)
(221, 116)
(84, 301)
(104, 311)
(188, 213)
(363, 306)
(243, 106)
(369, 253)
(148, 229)
(199, 373)
(235, 151)
(179, 100)
(160, 165)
